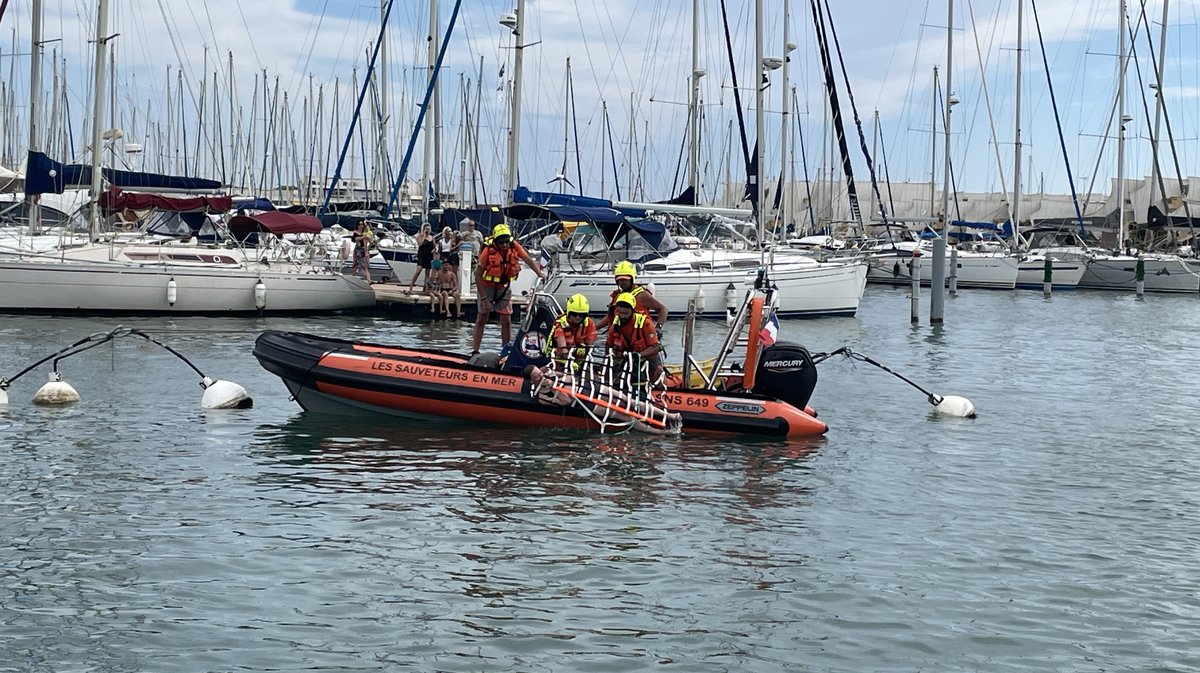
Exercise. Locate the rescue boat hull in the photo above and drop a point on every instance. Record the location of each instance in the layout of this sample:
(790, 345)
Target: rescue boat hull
(327, 375)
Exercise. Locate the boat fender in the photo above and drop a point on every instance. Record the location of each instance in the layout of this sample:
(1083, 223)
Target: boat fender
(953, 405)
(172, 292)
(260, 295)
(224, 395)
(731, 297)
(699, 300)
(56, 392)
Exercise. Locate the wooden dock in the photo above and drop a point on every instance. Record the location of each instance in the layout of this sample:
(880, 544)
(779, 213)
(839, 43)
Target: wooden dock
(395, 299)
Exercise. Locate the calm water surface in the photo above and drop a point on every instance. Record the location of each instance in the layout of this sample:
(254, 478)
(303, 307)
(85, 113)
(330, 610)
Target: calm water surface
(1056, 532)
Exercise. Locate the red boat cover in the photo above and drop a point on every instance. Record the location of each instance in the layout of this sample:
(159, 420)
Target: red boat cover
(275, 222)
(115, 199)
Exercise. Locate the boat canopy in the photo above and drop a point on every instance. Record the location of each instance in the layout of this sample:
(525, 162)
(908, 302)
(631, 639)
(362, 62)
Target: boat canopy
(44, 175)
(116, 199)
(598, 215)
(274, 222)
(254, 204)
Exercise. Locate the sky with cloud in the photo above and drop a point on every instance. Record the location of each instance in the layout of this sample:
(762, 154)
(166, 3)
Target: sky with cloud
(630, 64)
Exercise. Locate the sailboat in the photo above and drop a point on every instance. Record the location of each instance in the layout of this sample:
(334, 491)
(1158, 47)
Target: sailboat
(147, 276)
(1162, 272)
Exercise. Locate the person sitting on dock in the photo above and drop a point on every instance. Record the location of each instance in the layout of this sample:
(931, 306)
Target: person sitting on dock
(435, 289)
(499, 263)
(573, 335)
(625, 276)
(448, 278)
(634, 333)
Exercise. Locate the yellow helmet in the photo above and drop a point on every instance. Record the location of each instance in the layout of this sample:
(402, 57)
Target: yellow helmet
(577, 304)
(628, 299)
(501, 230)
(625, 268)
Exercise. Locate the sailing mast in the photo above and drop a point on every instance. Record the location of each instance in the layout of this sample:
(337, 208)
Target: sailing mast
(102, 39)
(514, 126)
(35, 86)
(694, 103)
(1122, 119)
(759, 121)
(1016, 199)
(782, 215)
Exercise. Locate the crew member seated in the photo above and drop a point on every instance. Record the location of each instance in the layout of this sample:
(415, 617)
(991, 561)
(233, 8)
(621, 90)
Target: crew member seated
(634, 333)
(573, 335)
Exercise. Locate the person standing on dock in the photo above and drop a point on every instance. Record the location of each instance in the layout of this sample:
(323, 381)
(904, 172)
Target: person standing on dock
(448, 248)
(499, 263)
(425, 246)
(625, 276)
(472, 239)
(362, 239)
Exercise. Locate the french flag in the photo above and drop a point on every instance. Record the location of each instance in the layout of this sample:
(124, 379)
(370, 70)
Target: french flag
(770, 332)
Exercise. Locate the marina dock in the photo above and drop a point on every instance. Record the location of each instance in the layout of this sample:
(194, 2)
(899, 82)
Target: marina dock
(395, 299)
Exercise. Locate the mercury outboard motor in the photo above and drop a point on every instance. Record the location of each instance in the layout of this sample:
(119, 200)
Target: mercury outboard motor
(786, 371)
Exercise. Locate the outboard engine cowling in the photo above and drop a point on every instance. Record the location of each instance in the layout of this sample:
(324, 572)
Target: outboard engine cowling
(786, 371)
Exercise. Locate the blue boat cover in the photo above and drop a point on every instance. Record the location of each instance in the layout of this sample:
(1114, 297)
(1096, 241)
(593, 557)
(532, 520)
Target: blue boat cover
(523, 195)
(254, 204)
(562, 213)
(44, 175)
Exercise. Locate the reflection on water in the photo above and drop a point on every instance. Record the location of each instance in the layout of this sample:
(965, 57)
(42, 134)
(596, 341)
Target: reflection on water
(144, 534)
(314, 452)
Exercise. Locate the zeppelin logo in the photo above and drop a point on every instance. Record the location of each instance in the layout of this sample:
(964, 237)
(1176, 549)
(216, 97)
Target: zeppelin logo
(741, 408)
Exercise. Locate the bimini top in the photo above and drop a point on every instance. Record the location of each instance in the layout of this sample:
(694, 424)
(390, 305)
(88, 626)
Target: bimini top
(564, 213)
(274, 222)
(44, 175)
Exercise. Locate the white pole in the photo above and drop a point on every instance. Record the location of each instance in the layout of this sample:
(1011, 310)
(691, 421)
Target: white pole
(35, 90)
(937, 295)
(1121, 128)
(514, 125)
(759, 121)
(98, 117)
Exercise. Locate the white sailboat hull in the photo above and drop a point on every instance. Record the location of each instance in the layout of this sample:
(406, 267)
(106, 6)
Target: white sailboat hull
(805, 290)
(28, 285)
(1166, 273)
(996, 272)
(1064, 274)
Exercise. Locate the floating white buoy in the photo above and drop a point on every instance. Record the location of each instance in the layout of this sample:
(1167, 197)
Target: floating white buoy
(953, 405)
(224, 395)
(56, 391)
(260, 295)
(3, 397)
(172, 292)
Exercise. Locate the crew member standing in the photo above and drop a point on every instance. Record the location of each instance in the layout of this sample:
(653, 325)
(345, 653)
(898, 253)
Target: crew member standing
(499, 263)
(625, 276)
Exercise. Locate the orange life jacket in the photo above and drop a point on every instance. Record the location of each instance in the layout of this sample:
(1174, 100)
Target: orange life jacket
(635, 335)
(637, 293)
(500, 267)
(583, 334)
